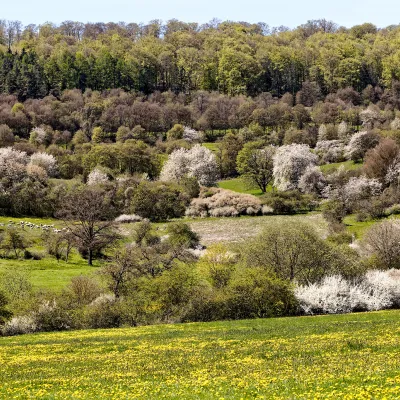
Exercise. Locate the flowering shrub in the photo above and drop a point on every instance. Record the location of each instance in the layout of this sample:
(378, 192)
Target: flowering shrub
(359, 144)
(20, 325)
(312, 181)
(378, 290)
(198, 162)
(330, 151)
(46, 161)
(127, 219)
(223, 203)
(191, 135)
(361, 188)
(290, 163)
(97, 177)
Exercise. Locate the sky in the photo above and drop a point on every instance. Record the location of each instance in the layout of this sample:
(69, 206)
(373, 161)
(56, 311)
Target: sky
(289, 13)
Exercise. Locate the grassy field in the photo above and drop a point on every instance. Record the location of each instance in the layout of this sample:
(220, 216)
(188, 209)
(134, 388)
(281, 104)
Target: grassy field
(238, 185)
(45, 273)
(354, 356)
(348, 166)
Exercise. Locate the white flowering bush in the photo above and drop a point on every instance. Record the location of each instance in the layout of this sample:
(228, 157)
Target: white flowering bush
(370, 116)
(395, 124)
(191, 135)
(45, 161)
(20, 325)
(128, 219)
(378, 290)
(359, 144)
(38, 136)
(330, 151)
(13, 164)
(290, 163)
(359, 188)
(223, 203)
(198, 162)
(343, 131)
(312, 181)
(97, 177)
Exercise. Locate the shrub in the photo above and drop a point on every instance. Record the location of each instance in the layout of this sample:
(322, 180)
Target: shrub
(376, 291)
(97, 177)
(383, 242)
(20, 326)
(290, 163)
(128, 219)
(223, 203)
(290, 202)
(46, 161)
(103, 312)
(330, 151)
(257, 294)
(360, 143)
(312, 181)
(198, 162)
(158, 201)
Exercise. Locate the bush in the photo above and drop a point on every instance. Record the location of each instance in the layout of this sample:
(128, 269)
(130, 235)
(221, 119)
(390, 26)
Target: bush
(103, 312)
(290, 202)
(223, 203)
(20, 326)
(158, 201)
(257, 294)
(378, 290)
(128, 219)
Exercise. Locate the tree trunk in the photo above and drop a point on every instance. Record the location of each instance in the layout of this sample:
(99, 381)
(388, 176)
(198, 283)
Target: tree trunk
(90, 257)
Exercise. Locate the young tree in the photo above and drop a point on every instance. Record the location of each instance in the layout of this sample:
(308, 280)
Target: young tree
(379, 159)
(198, 162)
(255, 164)
(88, 215)
(290, 163)
(360, 143)
(14, 241)
(383, 241)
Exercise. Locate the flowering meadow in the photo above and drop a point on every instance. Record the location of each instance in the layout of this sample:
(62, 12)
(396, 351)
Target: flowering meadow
(353, 356)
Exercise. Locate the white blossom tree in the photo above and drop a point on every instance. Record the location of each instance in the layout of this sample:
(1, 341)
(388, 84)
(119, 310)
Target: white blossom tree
(330, 151)
(198, 162)
(191, 135)
(46, 161)
(97, 177)
(359, 144)
(12, 165)
(38, 136)
(312, 181)
(290, 163)
(343, 130)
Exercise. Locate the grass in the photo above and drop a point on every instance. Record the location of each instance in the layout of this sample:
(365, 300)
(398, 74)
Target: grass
(45, 273)
(240, 186)
(354, 356)
(359, 228)
(211, 146)
(348, 166)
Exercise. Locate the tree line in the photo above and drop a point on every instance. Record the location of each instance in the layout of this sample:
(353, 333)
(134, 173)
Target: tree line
(234, 58)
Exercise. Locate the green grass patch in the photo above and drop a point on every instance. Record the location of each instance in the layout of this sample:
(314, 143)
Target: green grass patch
(348, 166)
(241, 186)
(211, 146)
(354, 356)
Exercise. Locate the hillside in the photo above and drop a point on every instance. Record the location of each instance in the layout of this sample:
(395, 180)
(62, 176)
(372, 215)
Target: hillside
(354, 356)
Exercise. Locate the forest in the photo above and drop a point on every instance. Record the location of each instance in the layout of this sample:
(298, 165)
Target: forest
(175, 172)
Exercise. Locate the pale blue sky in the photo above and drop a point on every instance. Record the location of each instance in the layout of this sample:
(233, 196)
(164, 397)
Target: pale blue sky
(274, 12)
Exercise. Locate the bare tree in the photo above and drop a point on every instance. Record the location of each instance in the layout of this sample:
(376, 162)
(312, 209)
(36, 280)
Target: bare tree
(87, 214)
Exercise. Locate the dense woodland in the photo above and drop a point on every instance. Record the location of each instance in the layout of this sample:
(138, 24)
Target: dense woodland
(234, 58)
(108, 128)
